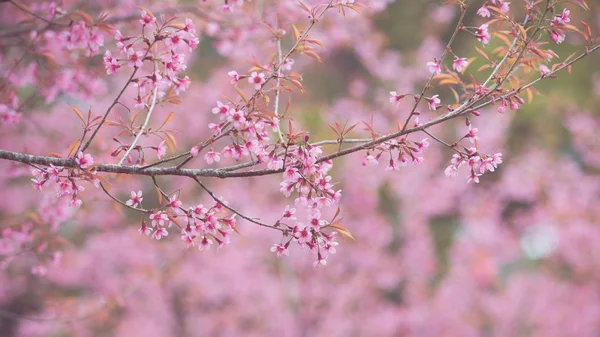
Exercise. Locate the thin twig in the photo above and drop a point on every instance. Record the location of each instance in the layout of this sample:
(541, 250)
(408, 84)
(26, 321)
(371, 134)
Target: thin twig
(143, 128)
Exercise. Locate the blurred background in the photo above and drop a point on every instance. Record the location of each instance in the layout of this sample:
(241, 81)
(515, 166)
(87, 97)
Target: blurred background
(515, 255)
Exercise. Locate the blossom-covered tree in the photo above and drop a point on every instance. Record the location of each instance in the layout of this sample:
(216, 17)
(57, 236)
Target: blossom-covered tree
(268, 135)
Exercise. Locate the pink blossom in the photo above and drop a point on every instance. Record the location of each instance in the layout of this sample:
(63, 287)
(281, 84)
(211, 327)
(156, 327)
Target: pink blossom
(144, 229)
(544, 70)
(174, 202)
(135, 58)
(258, 79)
(434, 67)
(205, 243)
(235, 78)
(189, 26)
(147, 18)
(135, 199)
(159, 233)
(395, 98)
(221, 109)
(557, 36)
(237, 117)
(158, 219)
(161, 149)
(482, 34)
(562, 19)
(484, 11)
(321, 261)
(194, 151)
(459, 63)
(84, 161)
(288, 212)
(280, 250)
(212, 157)
(503, 6)
(433, 102)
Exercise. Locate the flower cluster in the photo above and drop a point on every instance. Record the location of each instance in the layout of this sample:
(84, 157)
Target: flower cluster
(557, 27)
(67, 181)
(401, 152)
(198, 224)
(83, 37)
(477, 163)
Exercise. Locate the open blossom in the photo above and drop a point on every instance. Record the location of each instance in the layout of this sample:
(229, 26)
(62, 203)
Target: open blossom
(484, 11)
(160, 233)
(174, 202)
(258, 79)
(433, 102)
(147, 18)
(194, 151)
(135, 199)
(557, 36)
(235, 78)
(544, 70)
(161, 149)
(212, 157)
(459, 63)
(434, 67)
(280, 250)
(395, 98)
(562, 19)
(503, 6)
(144, 229)
(135, 58)
(158, 218)
(110, 63)
(237, 117)
(482, 34)
(84, 160)
(221, 109)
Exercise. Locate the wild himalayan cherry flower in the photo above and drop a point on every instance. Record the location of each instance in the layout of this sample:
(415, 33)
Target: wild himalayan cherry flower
(159, 233)
(503, 6)
(544, 71)
(84, 161)
(280, 250)
(221, 109)
(174, 203)
(135, 199)
(158, 218)
(562, 19)
(482, 34)
(205, 243)
(235, 78)
(237, 117)
(212, 156)
(258, 79)
(287, 64)
(557, 36)
(288, 212)
(321, 261)
(147, 18)
(434, 67)
(484, 11)
(135, 58)
(161, 149)
(144, 229)
(459, 63)
(110, 63)
(472, 135)
(433, 102)
(194, 151)
(395, 98)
